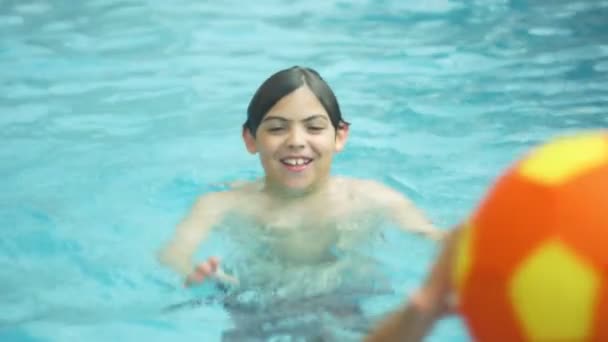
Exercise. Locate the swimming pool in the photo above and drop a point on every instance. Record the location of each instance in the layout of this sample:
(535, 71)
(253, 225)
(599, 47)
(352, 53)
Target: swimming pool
(116, 114)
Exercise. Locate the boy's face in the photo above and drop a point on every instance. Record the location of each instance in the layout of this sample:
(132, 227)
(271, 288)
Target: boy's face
(296, 142)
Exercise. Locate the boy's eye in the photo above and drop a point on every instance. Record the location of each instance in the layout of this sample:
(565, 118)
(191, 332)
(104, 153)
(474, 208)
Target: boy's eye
(275, 129)
(316, 128)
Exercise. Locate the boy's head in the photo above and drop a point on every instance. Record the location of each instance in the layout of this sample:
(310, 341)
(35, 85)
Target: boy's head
(295, 125)
(285, 82)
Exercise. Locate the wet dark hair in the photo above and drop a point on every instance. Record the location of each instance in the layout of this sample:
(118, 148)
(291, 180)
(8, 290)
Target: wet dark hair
(283, 83)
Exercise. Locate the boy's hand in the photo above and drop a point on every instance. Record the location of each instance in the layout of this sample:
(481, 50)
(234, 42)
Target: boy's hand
(210, 268)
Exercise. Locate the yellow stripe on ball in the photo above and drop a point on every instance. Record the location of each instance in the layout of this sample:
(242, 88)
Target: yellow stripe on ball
(554, 293)
(463, 256)
(565, 158)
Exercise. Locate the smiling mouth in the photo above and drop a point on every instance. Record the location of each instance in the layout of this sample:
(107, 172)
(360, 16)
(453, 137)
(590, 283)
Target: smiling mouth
(296, 161)
(296, 164)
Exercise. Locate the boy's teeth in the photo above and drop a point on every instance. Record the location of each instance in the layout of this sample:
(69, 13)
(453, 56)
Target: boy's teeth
(294, 161)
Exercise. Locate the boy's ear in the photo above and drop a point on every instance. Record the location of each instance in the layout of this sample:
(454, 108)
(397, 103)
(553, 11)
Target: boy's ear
(249, 140)
(341, 136)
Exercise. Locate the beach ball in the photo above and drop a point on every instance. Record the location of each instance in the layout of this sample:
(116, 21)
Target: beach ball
(532, 261)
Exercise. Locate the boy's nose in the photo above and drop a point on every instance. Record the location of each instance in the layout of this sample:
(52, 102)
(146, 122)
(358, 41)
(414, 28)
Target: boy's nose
(295, 139)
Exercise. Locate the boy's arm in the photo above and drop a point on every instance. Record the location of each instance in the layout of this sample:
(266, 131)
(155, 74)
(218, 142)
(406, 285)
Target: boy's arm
(408, 324)
(412, 219)
(426, 306)
(190, 232)
(405, 213)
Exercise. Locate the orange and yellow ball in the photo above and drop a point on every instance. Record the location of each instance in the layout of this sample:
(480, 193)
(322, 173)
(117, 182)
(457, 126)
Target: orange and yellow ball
(532, 261)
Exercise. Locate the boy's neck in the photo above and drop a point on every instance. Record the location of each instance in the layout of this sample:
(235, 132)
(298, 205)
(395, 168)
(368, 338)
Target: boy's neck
(282, 193)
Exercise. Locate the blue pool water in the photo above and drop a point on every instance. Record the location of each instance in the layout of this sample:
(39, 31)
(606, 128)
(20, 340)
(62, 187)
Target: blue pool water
(116, 114)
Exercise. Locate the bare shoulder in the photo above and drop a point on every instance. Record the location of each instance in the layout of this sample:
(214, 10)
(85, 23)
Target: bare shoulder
(248, 186)
(236, 190)
(242, 199)
(215, 202)
(365, 195)
(372, 190)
